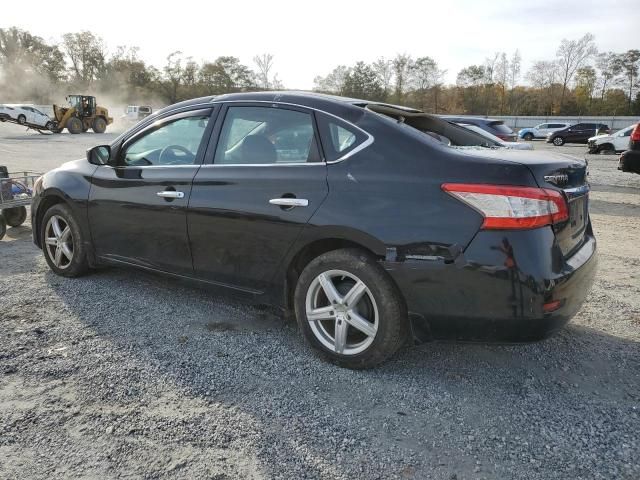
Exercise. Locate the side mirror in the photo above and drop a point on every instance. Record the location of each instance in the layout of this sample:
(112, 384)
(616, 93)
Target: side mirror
(99, 155)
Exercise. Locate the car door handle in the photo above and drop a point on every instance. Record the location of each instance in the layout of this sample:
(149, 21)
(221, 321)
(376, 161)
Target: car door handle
(290, 202)
(170, 194)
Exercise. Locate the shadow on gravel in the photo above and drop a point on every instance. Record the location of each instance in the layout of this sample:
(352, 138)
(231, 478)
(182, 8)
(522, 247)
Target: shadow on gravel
(437, 407)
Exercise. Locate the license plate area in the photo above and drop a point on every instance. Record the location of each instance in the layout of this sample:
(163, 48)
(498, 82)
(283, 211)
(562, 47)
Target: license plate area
(571, 235)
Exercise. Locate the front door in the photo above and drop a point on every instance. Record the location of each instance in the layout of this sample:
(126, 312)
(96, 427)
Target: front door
(252, 199)
(137, 206)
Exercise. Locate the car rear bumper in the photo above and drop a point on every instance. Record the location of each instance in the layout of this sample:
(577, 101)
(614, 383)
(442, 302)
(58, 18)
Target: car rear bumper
(630, 161)
(483, 295)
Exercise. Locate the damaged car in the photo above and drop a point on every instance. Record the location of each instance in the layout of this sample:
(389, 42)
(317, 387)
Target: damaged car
(373, 224)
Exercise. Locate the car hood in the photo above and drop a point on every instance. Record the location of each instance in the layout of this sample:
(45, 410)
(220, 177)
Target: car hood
(602, 136)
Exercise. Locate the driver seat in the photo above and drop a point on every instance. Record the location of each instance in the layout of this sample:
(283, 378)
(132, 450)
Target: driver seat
(257, 149)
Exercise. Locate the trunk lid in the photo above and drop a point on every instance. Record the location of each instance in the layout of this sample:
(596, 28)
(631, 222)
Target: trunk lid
(561, 172)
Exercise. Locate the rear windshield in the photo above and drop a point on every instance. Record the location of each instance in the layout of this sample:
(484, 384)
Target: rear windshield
(499, 126)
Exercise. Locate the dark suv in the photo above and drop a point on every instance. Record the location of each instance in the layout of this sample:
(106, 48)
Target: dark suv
(578, 133)
(491, 125)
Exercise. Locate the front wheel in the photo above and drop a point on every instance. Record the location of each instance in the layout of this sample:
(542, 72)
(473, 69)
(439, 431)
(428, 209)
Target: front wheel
(99, 125)
(62, 242)
(15, 216)
(607, 149)
(349, 310)
(558, 141)
(528, 136)
(74, 125)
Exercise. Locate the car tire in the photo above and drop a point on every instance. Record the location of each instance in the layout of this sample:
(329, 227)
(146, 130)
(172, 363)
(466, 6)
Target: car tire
(558, 141)
(528, 136)
(99, 125)
(15, 216)
(50, 126)
(74, 125)
(22, 119)
(606, 149)
(64, 250)
(3, 226)
(378, 309)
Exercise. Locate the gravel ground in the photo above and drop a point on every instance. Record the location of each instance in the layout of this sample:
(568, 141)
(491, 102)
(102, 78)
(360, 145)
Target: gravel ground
(126, 374)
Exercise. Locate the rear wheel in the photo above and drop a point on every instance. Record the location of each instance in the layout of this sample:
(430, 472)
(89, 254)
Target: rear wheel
(558, 141)
(349, 310)
(99, 125)
(62, 242)
(528, 136)
(15, 216)
(22, 119)
(74, 125)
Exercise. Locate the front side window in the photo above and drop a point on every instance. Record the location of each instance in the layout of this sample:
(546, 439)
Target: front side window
(174, 143)
(542, 125)
(338, 137)
(266, 135)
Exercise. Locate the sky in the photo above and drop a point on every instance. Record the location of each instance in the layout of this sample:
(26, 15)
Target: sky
(311, 38)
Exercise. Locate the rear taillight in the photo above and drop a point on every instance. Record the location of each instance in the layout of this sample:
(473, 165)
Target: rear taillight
(635, 135)
(507, 207)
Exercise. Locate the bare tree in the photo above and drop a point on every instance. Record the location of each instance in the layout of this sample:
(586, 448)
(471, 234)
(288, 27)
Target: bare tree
(502, 78)
(87, 54)
(514, 77)
(334, 82)
(629, 64)
(264, 64)
(402, 66)
(571, 55)
(384, 72)
(609, 68)
(544, 75)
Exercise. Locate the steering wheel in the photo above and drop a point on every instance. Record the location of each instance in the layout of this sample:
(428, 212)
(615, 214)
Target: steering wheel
(174, 160)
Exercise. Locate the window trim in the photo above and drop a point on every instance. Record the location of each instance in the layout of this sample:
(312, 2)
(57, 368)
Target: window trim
(209, 160)
(370, 138)
(159, 123)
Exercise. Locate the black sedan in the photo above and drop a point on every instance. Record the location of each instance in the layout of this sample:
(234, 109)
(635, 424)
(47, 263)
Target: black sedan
(374, 223)
(578, 133)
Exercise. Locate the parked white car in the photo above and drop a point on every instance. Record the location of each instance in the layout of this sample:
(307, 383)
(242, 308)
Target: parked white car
(490, 136)
(25, 115)
(616, 142)
(541, 131)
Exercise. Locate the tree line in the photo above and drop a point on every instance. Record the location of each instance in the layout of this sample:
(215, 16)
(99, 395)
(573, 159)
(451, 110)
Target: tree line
(579, 80)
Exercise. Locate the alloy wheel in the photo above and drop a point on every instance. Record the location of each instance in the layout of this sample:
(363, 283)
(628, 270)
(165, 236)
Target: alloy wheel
(342, 312)
(59, 242)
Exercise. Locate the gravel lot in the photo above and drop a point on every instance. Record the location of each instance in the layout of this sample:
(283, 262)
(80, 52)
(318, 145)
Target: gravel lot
(126, 374)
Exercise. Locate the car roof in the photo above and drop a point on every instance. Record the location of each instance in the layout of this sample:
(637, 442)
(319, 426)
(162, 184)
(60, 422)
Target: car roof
(347, 108)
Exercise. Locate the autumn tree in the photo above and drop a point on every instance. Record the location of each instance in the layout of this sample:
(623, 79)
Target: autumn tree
(571, 55)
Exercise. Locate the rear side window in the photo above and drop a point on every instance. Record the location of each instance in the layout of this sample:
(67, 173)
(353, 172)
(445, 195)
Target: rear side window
(266, 135)
(338, 137)
(499, 126)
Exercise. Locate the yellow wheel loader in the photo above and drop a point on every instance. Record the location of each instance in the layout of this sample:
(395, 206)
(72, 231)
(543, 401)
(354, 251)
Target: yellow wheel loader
(81, 115)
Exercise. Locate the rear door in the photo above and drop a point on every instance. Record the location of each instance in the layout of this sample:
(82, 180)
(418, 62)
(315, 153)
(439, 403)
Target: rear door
(263, 180)
(542, 130)
(137, 206)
